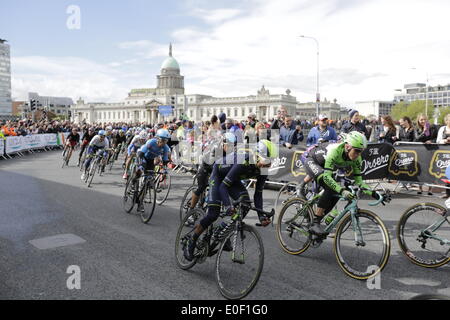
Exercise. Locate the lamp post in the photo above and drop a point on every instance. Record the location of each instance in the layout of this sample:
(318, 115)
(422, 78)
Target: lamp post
(317, 92)
(426, 93)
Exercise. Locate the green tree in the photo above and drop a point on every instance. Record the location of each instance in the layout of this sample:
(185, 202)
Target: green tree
(412, 110)
(442, 113)
(399, 111)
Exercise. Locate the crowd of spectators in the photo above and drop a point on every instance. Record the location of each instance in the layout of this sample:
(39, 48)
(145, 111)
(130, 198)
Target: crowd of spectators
(292, 131)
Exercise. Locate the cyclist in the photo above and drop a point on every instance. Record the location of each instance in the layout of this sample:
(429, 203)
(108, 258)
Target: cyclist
(87, 137)
(137, 142)
(98, 143)
(211, 153)
(73, 139)
(152, 149)
(320, 164)
(304, 156)
(117, 141)
(226, 180)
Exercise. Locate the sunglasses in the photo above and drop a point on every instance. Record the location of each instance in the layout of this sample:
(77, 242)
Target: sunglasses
(358, 150)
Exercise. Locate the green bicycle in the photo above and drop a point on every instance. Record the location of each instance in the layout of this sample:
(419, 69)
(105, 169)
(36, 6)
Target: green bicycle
(362, 244)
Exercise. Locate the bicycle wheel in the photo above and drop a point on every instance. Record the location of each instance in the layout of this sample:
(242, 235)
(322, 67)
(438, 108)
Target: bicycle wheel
(186, 202)
(149, 203)
(286, 192)
(129, 196)
(163, 184)
(416, 242)
(293, 225)
(366, 258)
(238, 271)
(92, 171)
(185, 231)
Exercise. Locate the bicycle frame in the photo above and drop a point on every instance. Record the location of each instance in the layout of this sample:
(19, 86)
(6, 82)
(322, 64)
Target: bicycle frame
(428, 232)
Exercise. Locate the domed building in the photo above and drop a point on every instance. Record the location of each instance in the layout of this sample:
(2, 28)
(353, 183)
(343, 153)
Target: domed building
(144, 105)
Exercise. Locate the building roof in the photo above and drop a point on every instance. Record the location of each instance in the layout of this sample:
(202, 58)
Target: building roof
(170, 62)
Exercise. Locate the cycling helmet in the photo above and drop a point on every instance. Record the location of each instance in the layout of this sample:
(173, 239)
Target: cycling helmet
(163, 134)
(356, 140)
(266, 151)
(229, 138)
(143, 135)
(102, 133)
(109, 128)
(114, 131)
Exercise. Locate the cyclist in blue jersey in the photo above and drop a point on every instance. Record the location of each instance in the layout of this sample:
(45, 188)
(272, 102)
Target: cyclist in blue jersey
(153, 149)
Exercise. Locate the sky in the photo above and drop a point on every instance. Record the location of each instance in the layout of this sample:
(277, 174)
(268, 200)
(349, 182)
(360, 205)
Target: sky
(227, 48)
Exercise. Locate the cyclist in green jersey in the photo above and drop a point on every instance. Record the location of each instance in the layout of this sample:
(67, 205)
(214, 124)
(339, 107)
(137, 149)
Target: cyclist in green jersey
(320, 164)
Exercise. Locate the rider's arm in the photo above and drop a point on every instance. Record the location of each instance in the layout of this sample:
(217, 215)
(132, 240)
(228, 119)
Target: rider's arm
(327, 176)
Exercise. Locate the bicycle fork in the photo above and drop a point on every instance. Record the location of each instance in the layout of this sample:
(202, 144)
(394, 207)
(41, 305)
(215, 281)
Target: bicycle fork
(359, 241)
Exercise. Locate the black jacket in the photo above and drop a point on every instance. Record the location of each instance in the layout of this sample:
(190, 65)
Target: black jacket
(407, 136)
(349, 127)
(419, 135)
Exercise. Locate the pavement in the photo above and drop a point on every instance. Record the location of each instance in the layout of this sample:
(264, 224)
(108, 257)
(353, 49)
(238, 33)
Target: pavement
(119, 257)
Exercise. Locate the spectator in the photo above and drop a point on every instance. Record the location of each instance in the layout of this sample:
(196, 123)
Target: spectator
(406, 132)
(234, 129)
(290, 134)
(321, 133)
(425, 132)
(443, 135)
(278, 122)
(355, 124)
(388, 131)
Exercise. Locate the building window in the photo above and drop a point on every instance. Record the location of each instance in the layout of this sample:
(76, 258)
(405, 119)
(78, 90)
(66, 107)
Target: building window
(235, 112)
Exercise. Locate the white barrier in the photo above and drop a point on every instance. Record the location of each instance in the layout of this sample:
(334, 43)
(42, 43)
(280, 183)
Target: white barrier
(2, 147)
(27, 143)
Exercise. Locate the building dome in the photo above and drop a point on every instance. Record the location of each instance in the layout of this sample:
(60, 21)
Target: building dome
(170, 62)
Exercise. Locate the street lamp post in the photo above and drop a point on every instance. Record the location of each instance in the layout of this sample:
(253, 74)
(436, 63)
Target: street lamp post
(317, 92)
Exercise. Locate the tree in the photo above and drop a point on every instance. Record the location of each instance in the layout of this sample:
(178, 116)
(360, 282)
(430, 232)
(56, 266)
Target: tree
(442, 113)
(399, 111)
(412, 110)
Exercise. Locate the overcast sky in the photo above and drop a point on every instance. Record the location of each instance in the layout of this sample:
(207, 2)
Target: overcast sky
(228, 48)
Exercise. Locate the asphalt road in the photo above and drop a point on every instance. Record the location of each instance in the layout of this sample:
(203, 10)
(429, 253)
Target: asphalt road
(122, 258)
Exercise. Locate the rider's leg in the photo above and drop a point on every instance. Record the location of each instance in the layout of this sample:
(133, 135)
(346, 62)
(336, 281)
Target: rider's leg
(202, 179)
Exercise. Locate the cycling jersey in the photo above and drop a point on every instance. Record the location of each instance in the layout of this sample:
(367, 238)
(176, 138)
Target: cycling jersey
(95, 142)
(151, 150)
(323, 160)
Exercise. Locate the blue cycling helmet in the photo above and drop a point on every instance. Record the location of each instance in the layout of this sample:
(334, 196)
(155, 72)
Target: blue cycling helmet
(163, 134)
(229, 138)
(101, 133)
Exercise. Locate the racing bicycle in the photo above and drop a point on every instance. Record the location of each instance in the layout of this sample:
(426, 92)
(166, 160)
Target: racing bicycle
(362, 244)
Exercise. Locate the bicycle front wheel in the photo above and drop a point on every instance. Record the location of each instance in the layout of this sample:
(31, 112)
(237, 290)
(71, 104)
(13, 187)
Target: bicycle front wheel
(419, 232)
(92, 170)
(238, 271)
(185, 231)
(286, 192)
(186, 202)
(362, 248)
(294, 222)
(149, 203)
(163, 188)
(128, 196)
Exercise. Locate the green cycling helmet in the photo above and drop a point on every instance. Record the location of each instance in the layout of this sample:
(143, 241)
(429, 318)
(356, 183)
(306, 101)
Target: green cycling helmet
(356, 140)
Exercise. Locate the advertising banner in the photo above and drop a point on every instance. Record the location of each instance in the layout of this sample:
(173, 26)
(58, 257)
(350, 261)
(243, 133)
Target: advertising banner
(2, 147)
(425, 163)
(14, 144)
(165, 110)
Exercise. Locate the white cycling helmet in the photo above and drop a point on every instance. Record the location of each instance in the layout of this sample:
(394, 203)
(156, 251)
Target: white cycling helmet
(143, 135)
